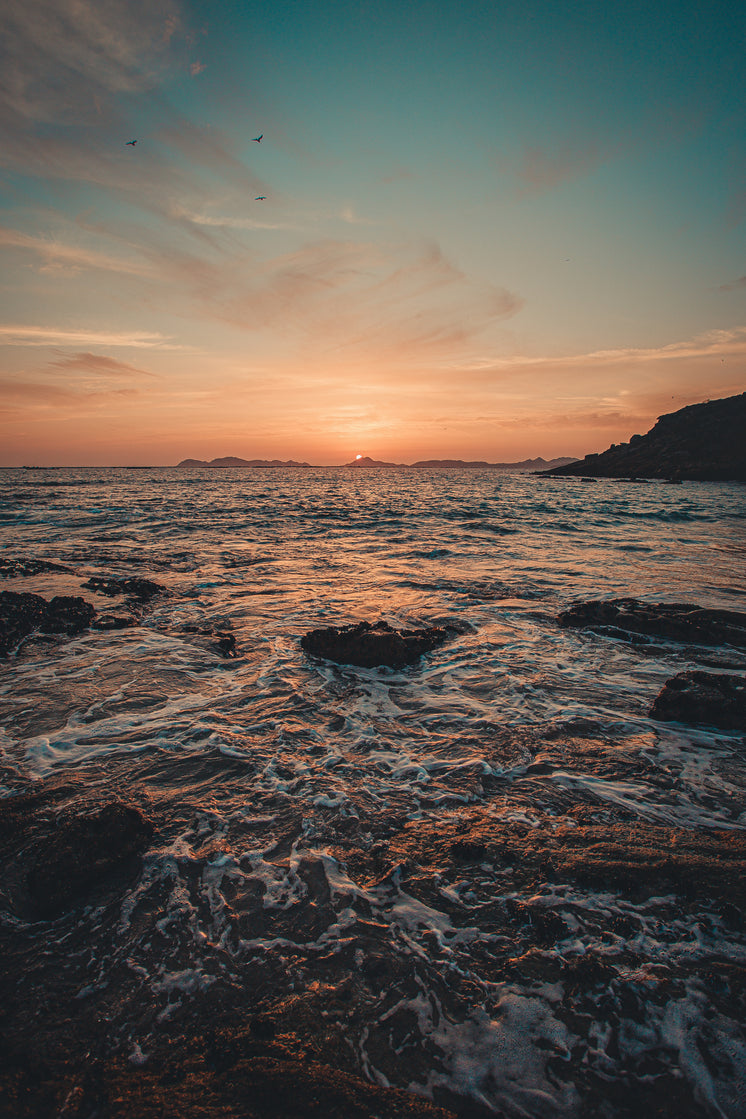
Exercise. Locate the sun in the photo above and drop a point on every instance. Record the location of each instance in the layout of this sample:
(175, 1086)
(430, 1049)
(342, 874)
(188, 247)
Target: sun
(358, 456)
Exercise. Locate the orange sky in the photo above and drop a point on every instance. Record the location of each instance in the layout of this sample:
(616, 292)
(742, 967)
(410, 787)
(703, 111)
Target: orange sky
(513, 243)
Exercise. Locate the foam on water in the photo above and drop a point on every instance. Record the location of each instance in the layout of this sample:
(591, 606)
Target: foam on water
(514, 715)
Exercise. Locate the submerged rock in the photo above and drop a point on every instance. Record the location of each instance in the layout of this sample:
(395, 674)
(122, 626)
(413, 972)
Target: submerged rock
(85, 852)
(22, 614)
(370, 645)
(673, 621)
(22, 568)
(141, 589)
(703, 697)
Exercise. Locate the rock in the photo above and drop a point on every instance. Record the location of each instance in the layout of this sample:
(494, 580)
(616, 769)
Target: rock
(368, 645)
(112, 621)
(226, 645)
(140, 589)
(703, 442)
(68, 614)
(703, 697)
(22, 568)
(675, 621)
(85, 852)
(20, 614)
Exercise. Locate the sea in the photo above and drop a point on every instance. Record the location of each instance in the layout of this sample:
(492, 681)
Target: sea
(314, 866)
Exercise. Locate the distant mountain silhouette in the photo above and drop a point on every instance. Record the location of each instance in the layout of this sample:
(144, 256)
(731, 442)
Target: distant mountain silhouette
(460, 464)
(230, 461)
(700, 443)
(365, 461)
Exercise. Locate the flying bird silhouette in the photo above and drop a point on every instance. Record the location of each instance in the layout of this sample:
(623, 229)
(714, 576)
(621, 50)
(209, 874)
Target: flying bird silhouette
(260, 197)
(132, 142)
(257, 139)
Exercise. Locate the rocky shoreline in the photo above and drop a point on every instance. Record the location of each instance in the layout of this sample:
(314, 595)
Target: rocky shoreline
(235, 1030)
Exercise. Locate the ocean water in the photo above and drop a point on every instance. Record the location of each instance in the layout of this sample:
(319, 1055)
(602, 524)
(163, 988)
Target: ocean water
(302, 808)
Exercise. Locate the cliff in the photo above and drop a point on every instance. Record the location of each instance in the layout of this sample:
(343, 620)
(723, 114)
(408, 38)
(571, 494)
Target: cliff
(700, 443)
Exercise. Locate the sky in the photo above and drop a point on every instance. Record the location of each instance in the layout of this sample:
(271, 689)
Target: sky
(478, 230)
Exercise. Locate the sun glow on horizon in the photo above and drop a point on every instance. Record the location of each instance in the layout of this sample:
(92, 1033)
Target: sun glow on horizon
(357, 457)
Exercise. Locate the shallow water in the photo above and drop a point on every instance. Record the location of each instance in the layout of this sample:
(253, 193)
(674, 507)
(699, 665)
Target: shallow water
(282, 781)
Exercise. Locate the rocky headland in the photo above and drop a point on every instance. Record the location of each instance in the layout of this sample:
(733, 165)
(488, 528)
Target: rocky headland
(700, 443)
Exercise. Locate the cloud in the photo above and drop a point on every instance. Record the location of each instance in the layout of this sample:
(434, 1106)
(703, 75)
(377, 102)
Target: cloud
(31, 392)
(197, 68)
(16, 335)
(734, 285)
(57, 256)
(98, 364)
(62, 59)
(356, 298)
(539, 169)
(220, 221)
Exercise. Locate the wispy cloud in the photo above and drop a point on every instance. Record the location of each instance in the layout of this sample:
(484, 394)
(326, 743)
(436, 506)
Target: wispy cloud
(734, 285)
(56, 255)
(62, 59)
(99, 365)
(539, 169)
(17, 335)
(224, 221)
(197, 68)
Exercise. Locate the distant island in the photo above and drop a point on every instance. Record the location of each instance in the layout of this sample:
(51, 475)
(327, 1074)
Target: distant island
(532, 464)
(259, 463)
(699, 443)
(459, 464)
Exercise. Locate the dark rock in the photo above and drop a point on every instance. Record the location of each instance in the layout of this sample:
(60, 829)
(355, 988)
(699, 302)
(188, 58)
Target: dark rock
(226, 645)
(21, 568)
(369, 645)
(85, 852)
(140, 589)
(674, 621)
(20, 614)
(703, 697)
(112, 621)
(68, 614)
(704, 442)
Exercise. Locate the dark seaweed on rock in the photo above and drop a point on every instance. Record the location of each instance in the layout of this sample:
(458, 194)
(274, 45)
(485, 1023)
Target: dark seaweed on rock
(22, 614)
(370, 645)
(674, 621)
(714, 699)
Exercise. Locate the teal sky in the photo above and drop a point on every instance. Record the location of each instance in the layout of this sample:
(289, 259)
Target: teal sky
(491, 230)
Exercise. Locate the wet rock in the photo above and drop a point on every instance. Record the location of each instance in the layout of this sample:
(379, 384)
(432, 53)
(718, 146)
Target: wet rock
(142, 590)
(112, 621)
(22, 568)
(674, 621)
(703, 697)
(370, 645)
(83, 853)
(68, 614)
(22, 614)
(226, 645)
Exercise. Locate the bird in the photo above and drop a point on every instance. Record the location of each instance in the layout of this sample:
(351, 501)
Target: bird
(132, 142)
(260, 197)
(257, 139)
